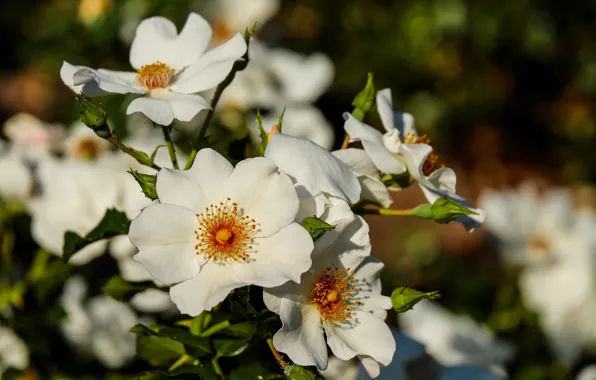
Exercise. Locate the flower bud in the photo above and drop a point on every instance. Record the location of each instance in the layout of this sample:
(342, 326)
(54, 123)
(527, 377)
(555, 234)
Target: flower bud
(444, 210)
(365, 100)
(93, 115)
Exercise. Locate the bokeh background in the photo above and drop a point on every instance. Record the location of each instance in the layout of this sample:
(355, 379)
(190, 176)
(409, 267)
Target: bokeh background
(504, 89)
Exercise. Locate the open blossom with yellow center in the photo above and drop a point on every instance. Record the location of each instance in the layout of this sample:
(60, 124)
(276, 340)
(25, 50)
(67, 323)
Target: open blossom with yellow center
(171, 68)
(432, 160)
(219, 227)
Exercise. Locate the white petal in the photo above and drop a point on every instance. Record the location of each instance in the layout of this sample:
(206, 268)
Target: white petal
(385, 109)
(365, 334)
(279, 258)
(164, 235)
(301, 336)
(132, 270)
(375, 191)
(312, 168)
(211, 170)
(152, 301)
(158, 110)
(206, 289)
(240, 14)
(372, 141)
(264, 194)
(178, 187)
(110, 81)
(272, 297)
(15, 353)
(157, 40)
(212, 68)
(186, 107)
(371, 366)
(358, 160)
(415, 155)
(91, 88)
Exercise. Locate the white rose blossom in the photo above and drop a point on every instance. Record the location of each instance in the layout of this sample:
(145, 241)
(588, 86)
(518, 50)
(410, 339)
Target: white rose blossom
(171, 69)
(401, 150)
(218, 228)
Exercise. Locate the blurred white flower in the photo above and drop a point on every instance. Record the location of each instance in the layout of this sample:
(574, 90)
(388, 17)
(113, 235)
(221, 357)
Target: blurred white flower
(303, 121)
(312, 168)
(16, 183)
(13, 351)
(453, 339)
(99, 326)
(402, 150)
(220, 227)
(81, 143)
(337, 301)
(152, 301)
(587, 373)
(232, 16)
(171, 69)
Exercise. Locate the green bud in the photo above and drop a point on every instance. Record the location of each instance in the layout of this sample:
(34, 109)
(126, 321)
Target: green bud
(147, 183)
(403, 299)
(316, 227)
(446, 210)
(93, 115)
(365, 100)
(423, 211)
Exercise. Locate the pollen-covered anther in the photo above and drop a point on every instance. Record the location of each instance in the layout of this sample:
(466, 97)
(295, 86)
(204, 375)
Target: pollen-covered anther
(432, 161)
(155, 75)
(223, 235)
(333, 294)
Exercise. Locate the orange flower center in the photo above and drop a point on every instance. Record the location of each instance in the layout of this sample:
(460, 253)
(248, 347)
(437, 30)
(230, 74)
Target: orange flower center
(223, 234)
(333, 293)
(88, 149)
(539, 244)
(432, 161)
(155, 75)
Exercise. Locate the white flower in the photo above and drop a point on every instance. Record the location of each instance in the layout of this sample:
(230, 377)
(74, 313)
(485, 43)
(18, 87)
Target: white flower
(171, 69)
(303, 121)
(37, 137)
(529, 227)
(99, 326)
(16, 181)
(13, 351)
(231, 16)
(81, 143)
(152, 301)
(74, 197)
(336, 301)
(338, 297)
(218, 228)
(453, 339)
(402, 150)
(587, 373)
(312, 168)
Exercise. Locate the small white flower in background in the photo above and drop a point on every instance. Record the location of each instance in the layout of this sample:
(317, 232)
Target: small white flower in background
(232, 16)
(74, 197)
(312, 168)
(218, 228)
(338, 301)
(402, 150)
(171, 69)
(37, 137)
(99, 326)
(529, 226)
(81, 143)
(13, 351)
(453, 339)
(16, 183)
(587, 373)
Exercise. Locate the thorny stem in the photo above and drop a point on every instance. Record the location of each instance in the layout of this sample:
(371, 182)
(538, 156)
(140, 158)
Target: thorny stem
(170, 144)
(131, 152)
(277, 355)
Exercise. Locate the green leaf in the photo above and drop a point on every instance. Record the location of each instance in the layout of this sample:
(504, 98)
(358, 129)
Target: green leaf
(403, 299)
(198, 345)
(316, 227)
(204, 370)
(229, 347)
(200, 322)
(280, 121)
(262, 134)
(244, 330)
(146, 182)
(113, 223)
(121, 290)
(365, 100)
(295, 372)
(158, 350)
(254, 370)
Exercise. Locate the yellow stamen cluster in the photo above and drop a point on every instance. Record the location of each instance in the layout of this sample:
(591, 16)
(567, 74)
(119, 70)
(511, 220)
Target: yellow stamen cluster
(432, 161)
(155, 75)
(333, 293)
(223, 235)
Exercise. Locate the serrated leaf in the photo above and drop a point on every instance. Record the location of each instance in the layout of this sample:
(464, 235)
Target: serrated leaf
(403, 299)
(295, 372)
(229, 347)
(147, 182)
(316, 227)
(121, 290)
(113, 223)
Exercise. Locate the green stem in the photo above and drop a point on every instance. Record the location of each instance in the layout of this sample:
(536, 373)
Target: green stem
(278, 357)
(217, 368)
(191, 159)
(215, 328)
(181, 360)
(384, 212)
(133, 153)
(170, 144)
